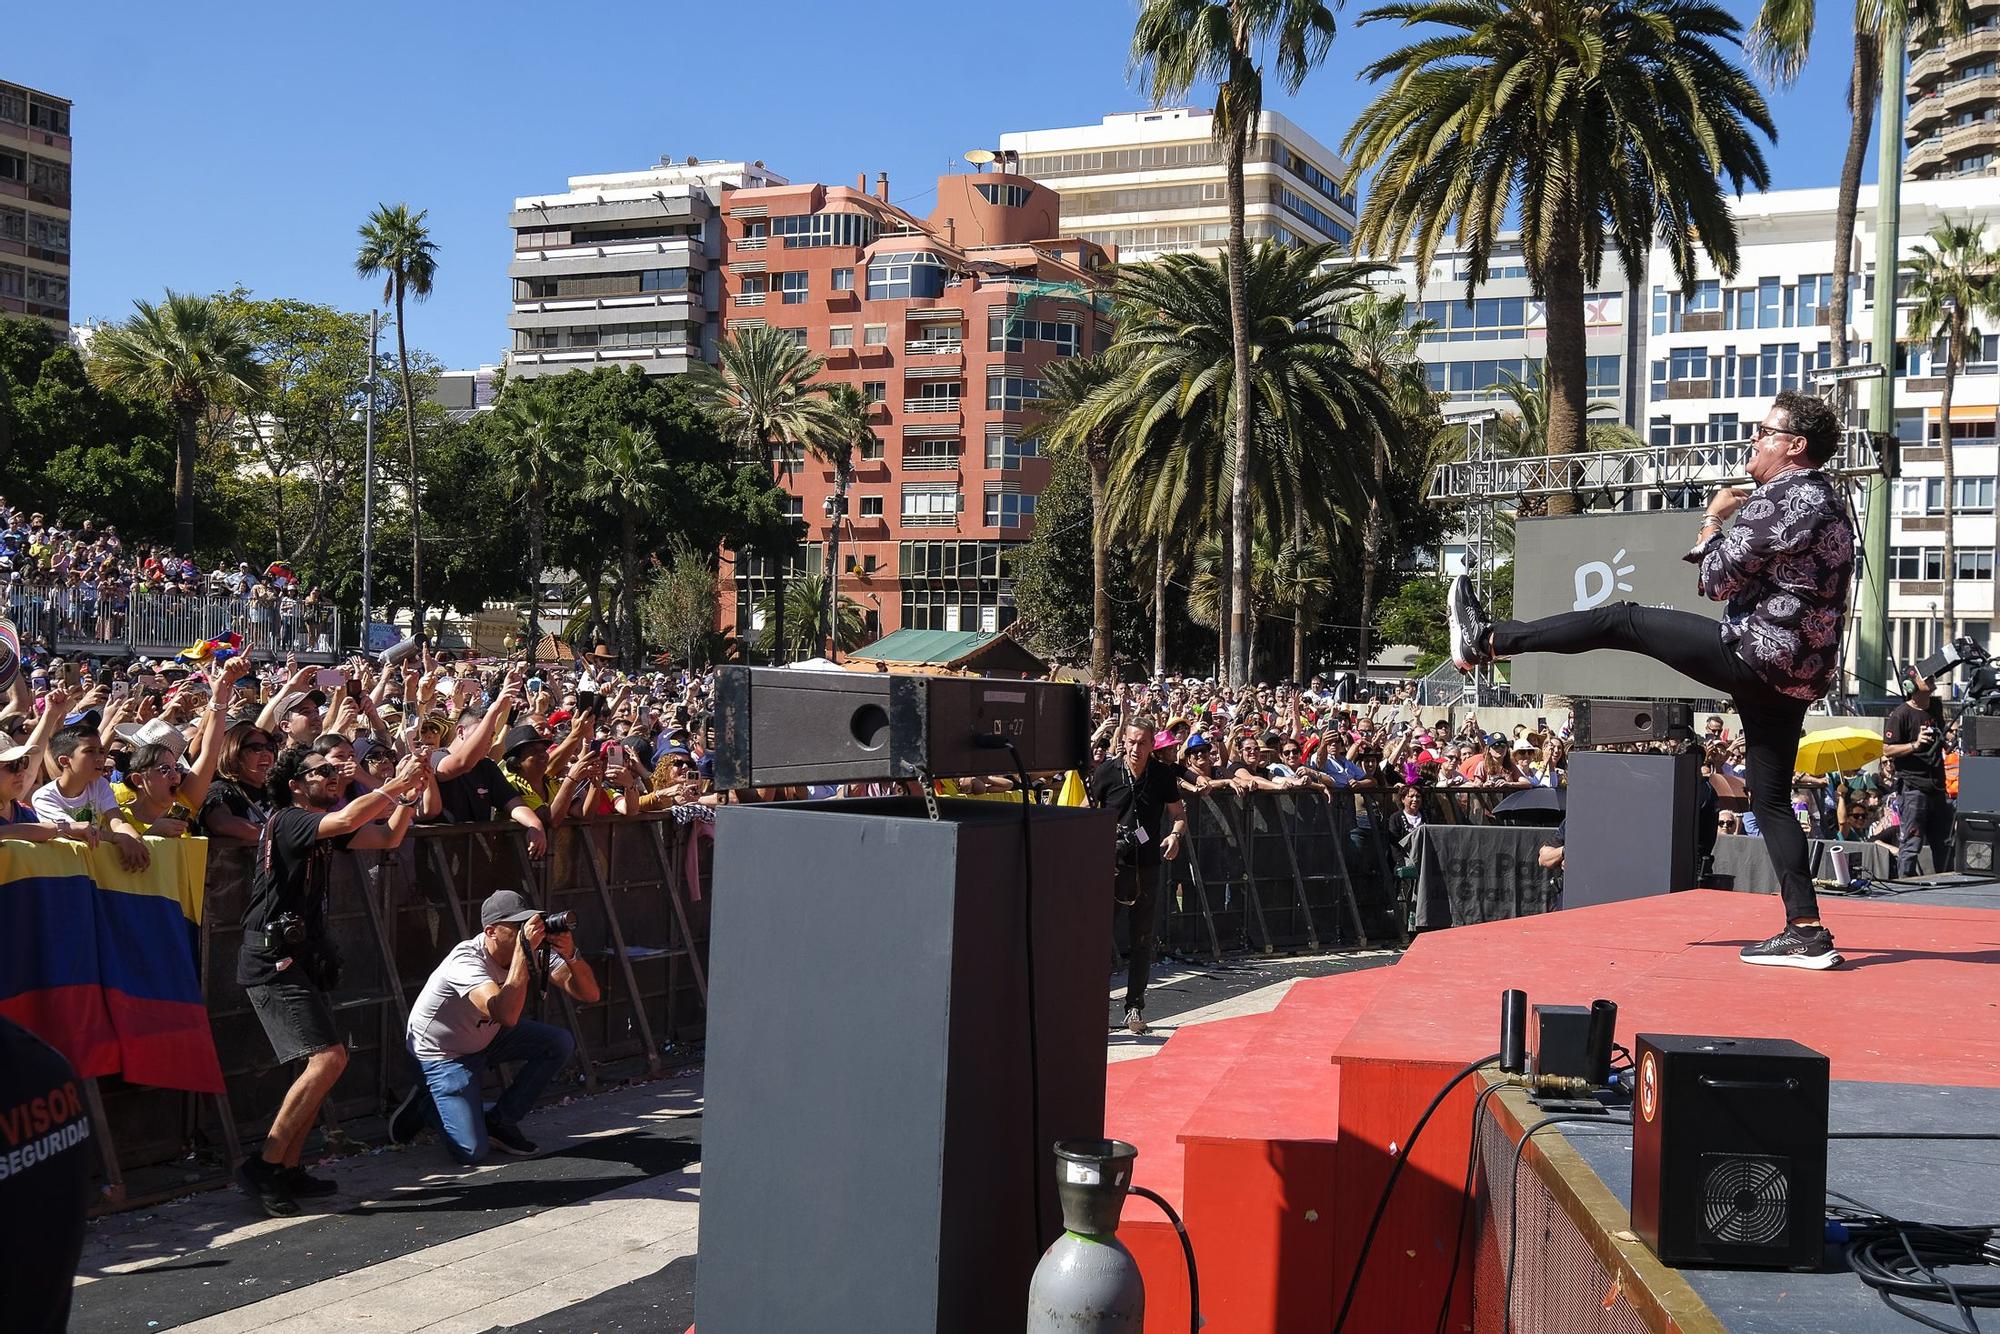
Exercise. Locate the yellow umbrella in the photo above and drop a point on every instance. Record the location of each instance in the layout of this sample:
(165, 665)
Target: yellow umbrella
(1838, 748)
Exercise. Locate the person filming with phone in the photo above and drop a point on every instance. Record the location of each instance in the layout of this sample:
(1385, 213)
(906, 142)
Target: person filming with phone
(470, 1015)
(1913, 736)
(472, 787)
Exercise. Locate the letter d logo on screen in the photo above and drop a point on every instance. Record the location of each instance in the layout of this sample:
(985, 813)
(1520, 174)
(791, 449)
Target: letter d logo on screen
(1595, 580)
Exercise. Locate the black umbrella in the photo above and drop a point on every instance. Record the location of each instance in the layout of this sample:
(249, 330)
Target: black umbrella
(1533, 806)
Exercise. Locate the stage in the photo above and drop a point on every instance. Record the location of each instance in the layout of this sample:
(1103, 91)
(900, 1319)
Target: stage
(1273, 1133)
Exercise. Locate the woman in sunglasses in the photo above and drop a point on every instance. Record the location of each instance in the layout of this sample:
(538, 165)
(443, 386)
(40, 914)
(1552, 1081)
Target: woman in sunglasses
(235, 806)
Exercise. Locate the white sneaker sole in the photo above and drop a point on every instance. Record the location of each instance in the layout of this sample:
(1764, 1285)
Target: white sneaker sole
(1816, 962)
(1464, 656)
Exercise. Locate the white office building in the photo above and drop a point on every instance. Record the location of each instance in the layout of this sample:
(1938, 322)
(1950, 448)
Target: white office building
(620, 269)
(1715, 359)
(1151, 182)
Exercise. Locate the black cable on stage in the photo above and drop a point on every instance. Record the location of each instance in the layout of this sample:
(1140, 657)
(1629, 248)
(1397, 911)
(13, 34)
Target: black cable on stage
(1901, 1259)
(1187, 1250)
(1465, 1203)
(1514, 1194)
(1389, 1186)
(1914, 1134)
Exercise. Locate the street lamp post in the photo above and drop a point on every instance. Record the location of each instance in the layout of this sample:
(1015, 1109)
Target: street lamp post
(368, 487)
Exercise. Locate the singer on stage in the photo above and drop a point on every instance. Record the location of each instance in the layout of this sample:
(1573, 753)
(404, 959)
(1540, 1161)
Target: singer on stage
(1783, 569)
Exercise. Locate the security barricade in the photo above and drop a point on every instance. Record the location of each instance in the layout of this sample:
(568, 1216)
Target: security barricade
(637, 886)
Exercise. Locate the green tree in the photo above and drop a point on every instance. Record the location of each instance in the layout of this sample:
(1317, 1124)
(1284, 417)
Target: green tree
(763, 394)
(191, 353)
(1954, 281)
(535, 450)
(628, 470)
(397, 247)
(1056, 580)
(1598, 123)
(809, 599)
(1176, 46)
(847, 427)
(678, 610)
(1072, 418)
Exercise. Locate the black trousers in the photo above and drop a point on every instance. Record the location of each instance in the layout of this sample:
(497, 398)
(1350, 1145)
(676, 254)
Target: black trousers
(1926, 817)
(1141, 884)
(1692, 645)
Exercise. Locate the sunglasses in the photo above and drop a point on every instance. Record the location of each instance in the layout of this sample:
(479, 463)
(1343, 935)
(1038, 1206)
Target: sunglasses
(254, 748)
(311, 770)
(17, 766)
(1760, 430)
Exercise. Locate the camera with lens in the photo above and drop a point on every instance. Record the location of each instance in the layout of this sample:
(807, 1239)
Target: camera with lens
(1127, 847)
(559, 923)
(288, 927)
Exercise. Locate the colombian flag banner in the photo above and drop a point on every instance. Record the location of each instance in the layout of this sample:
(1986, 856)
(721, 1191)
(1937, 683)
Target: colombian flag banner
(100, 961)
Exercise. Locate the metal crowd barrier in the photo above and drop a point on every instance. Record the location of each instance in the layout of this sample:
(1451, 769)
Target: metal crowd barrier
(157, 624)
(642, 922)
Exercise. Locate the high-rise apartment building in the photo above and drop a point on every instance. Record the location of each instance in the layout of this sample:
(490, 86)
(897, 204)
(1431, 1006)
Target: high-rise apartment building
(34, 204)
(1151, 182)
(1953, 126)
(945, 323)
(619, 270)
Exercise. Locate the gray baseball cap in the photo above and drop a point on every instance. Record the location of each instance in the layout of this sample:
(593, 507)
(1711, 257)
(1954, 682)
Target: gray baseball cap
(505, 905)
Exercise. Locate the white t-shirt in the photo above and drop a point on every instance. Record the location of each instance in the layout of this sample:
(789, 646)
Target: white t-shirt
(444, 1024)
(91, 807)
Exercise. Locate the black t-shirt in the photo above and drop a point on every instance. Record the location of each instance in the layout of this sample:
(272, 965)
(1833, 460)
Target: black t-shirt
(294, 873)
(229, 797)
(1920, 769)
(45, 1159)
(480, 794)
(1143, 804)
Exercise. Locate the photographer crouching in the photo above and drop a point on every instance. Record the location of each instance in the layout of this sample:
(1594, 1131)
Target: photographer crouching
(288, 963)
(468, 1016)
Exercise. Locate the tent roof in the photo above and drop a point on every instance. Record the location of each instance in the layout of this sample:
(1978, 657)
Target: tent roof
(952, 648)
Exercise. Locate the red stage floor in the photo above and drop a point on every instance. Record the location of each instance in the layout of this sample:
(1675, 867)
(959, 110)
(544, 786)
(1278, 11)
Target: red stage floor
(1273, 1134)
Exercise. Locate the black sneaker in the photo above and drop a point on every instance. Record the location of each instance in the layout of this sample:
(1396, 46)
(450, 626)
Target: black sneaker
(1795, 947)
(1468, 626)
(305, 1186)
(508, 1138)
(265, 1184)
(410, 1115)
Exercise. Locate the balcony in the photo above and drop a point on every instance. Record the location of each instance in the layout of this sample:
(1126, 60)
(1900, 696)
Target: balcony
(930, 462)
(932, 347)
(1926, 65)
(748, 298)
(1984, 131)
(163, 624)
(1702, 321)
(929, 406)
(634, 301)
(1925, 156)
(752, 243)
(1956, 97)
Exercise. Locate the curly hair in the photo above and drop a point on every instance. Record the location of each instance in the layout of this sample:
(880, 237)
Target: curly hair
(1813, 419)
(289, 765)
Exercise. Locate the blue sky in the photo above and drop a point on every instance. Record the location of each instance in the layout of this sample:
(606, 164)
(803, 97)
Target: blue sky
(220, 144)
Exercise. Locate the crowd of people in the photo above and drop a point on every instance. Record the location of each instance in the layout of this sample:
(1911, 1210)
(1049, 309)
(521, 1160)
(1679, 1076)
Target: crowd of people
(85, 583)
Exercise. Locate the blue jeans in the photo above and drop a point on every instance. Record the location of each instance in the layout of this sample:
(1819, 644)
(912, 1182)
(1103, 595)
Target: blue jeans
(458, 1112)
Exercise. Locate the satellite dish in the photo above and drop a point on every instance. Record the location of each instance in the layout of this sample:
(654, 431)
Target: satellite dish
(979, 157)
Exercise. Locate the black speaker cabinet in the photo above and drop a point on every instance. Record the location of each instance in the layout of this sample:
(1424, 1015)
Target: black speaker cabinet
(1729, 1151)
(1980, 733)
(1629, 826)
(870, 1156)
(1975, 842)
(1979, 783)
(1606, 722)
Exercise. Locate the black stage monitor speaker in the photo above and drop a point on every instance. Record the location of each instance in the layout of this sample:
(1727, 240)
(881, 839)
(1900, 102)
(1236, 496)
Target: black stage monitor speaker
(1979, 783)
(774, 726)
(1630, 826)
(1729, 1151)
(1975, 843)
(871, 1158)
(1981, 733)
(1606, 722)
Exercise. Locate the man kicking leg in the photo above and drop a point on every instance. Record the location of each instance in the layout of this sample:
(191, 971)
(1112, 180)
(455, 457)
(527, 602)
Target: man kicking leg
(1783, 569)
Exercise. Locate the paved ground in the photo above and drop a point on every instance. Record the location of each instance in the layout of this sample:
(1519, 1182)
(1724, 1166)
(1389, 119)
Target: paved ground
(596, 1234)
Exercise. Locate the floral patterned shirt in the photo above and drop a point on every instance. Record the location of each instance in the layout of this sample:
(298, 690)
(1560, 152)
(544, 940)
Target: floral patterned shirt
(1783, 568)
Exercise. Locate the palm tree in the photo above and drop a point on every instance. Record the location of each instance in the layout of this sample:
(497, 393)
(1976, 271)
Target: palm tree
(627, 469)
(192, 353)
(846, 427)
(1611, 121)
(1781, 40)
(397, 248)
(1953, 281)
(763, 395)
(1069, 386)
(811, 596)
(1317, 414)
(1176, 45)
(535, 450)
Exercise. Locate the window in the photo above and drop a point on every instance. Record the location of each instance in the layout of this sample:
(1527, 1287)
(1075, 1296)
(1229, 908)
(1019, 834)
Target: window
(1920, 562)
(42, 116)
(795, 507)
(1602, 376)
(840, 335)
(843, 280)
(875, 391)
(1975, 564)
(812, 230)
(1008, 509)
(603, 284)
(1007, 333)
(1010, 393)
(13, 166)
(47, 288)
(13, 106)
(1005, 451)
(664, 280)
(941, 392)
(873, 449)
(754, 284)
(48, 234)
(871, 507)
(875, 335)
(1007, 196)
(937, 455)
(931, 504)
(759, 230)
(1972, 495)
(46, 175)
(902, 276)
(792, 286)
(13, 280)
(798, 336)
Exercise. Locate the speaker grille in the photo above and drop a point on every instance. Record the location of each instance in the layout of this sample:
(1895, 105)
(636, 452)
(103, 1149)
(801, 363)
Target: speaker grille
(1977, 856)
(1745, 1198)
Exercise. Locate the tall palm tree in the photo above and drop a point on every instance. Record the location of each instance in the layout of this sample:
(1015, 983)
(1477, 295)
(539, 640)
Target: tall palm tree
(1613, 121)
(809, 625)
(846, 428)
(397, 248)
(1317, 414)
(1176, 45)
(763, 395)
(1954, 280)
(535, 450)
(1780, 42)
(627, 469)
(192, 353)
(1387, 344)
(1071, 388)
